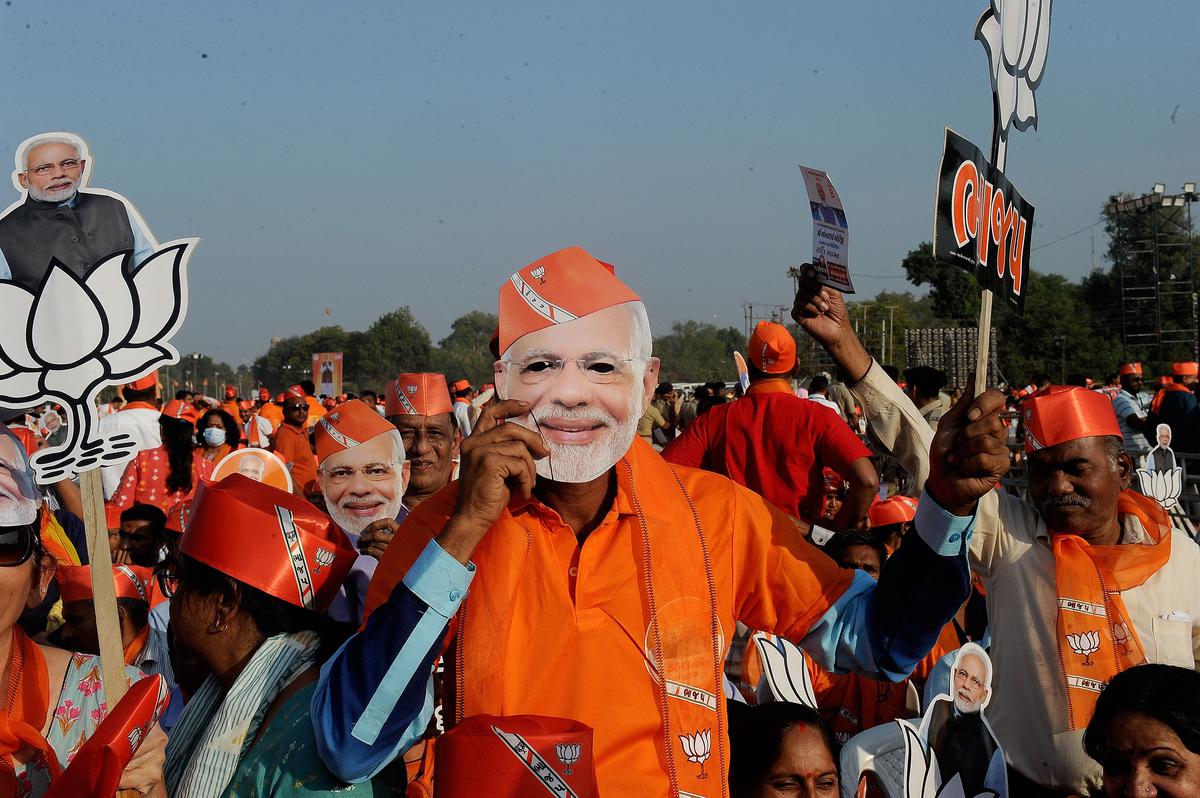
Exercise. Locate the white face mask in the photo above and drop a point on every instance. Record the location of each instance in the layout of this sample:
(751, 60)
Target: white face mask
(214, 436)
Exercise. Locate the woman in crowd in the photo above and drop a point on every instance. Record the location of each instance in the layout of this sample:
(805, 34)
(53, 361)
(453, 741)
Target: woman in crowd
(780, 749)
(1145, 732)
(220, 434)
(239, 607)
(53, 700)
(169, 473)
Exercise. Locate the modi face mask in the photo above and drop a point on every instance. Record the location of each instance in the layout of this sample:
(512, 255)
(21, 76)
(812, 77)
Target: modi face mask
(19, 497)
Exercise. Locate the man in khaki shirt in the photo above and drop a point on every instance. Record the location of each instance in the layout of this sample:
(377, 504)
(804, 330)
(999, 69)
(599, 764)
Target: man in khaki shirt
(1075, 485)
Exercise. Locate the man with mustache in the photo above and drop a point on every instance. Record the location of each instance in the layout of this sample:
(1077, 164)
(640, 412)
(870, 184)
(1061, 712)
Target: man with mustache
(363, 475)
(1083, 580)
(604, 584)
(59, 219)
(418, 405)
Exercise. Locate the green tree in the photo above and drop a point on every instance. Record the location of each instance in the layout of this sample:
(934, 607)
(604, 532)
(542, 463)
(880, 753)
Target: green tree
(394, 342)
(954, 294)
(465, 351)
(698, 352)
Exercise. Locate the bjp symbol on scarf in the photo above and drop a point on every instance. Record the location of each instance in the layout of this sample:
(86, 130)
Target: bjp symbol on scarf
(697, 748)
(568, 754)
(323, 558)
(1085, 644)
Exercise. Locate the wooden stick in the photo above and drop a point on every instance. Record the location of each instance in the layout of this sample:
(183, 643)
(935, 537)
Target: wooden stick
(104, 594)
(984, 341)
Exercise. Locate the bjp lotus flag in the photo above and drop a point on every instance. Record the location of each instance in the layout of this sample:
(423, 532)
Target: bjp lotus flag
(327, 372)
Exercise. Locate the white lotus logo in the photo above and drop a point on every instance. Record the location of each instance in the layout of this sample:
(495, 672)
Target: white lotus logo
(1085, 644)
(73, 336)
(697, 747)
(568, 754)
(1163, 486)
(1016, 35)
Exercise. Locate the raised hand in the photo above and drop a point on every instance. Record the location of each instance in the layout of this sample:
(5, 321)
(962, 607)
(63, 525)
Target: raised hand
(821, 312)
(497, 464)
(969, 454)
(376, 536)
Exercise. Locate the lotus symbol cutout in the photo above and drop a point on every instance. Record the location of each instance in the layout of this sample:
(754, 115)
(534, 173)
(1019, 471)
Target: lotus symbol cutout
(1016, 36)
(568, 754)
(1163, 486)
(73, 336)
(697, 748)
(1085, 644)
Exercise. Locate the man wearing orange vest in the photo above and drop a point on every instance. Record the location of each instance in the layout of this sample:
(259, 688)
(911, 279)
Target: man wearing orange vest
(604, 584)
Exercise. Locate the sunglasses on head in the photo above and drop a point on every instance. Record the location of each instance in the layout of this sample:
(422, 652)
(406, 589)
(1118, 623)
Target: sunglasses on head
(16, 545)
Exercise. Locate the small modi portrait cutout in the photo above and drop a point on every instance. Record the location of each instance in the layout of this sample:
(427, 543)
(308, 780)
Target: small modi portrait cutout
(257, 464)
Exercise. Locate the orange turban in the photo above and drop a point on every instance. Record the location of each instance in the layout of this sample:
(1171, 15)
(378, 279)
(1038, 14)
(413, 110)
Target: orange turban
(1191, 369)
(346, 427)
(130, 581)
(417, 395)
(557, 289)
(516, 755)
(1062, 413)
(891, 511)
(772, 348)
(179, 409)
(1130, 368)
(268, 539)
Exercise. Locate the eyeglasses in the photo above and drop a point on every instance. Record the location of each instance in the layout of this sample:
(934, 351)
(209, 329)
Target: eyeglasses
(376, 472)
(16, 546)
(46, 168)
(291, 408)
(600, 369)
(968, 678)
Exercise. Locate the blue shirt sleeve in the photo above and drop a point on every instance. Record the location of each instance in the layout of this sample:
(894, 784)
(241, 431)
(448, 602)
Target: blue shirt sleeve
(883, 629)
(144, 244)
(374, 697)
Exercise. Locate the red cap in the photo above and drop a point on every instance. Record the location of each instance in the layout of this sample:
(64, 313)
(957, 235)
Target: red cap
(459, 385)
(516, 756)
(112, 516)
(130, 581)
(1186, 369)
(891, 511)
(179, 409)
(557, 289)
(772, 348)
(1130, 368)
(96, 767)
(833, 480)
(245, 404)
(296, 391)
(1166, 379)
(264, 395)
(268, 539)
(1062, 413)
(346, 427)
(417, 395)
(143, 383)
(231, 392)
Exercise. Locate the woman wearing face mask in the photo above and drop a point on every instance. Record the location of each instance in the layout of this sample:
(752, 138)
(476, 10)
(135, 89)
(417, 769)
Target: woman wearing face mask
(169, 473)
(219, 435)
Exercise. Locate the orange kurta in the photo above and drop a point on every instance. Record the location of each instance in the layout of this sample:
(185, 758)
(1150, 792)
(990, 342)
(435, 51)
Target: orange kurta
(145, 480)
(577, 644)
(292, 445)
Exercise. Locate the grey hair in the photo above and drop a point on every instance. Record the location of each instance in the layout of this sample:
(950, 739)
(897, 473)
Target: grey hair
(22, 156)
(1114, 447)
(398, 443)
(642, 343)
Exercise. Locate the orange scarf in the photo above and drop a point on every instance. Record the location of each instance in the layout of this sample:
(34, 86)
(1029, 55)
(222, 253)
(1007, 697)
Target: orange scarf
(136, 646)
(684, 635)
(24, 710)
(1156, 403)
(139, 406)
(771, 385)
(1096, 639)
(56, 542)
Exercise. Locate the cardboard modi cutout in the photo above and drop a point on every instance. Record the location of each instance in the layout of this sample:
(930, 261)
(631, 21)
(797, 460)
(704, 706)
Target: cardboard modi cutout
(257, 464)
(954, 753)
(87, 299)
(1161, 479)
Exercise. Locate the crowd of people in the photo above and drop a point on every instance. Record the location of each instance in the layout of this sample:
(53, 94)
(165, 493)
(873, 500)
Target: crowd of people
(556, 581)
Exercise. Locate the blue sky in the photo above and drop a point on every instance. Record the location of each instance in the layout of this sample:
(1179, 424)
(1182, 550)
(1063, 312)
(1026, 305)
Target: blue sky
(359, 156)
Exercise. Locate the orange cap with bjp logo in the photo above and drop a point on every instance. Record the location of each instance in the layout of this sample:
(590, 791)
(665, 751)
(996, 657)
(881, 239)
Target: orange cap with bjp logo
(346, 427)
(1061, 413)
(181, 410)
(143, 383)
(417, 395)
(130, 581)
(269, 539)
(772, 348)
(1129, 369)
(295, 391)
(557, 289)
(1186, 369)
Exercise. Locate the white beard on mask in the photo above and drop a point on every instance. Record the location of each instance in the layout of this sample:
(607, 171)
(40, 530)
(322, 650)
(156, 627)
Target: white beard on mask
(356, 524)
(17, 510)
(574, 462)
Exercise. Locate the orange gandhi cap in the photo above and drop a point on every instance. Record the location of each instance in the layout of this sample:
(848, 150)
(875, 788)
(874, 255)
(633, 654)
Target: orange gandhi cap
(130, 581)
(1061, 413)
(1186, 369)
(417, 395)
(346, 427)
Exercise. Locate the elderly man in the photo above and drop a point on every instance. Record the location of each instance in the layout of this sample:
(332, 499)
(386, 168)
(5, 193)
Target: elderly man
(138, 417)
(777, 444)
(600, 583)
(1083, 580)
(418, 405)
(58, 219)
(363, 474)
